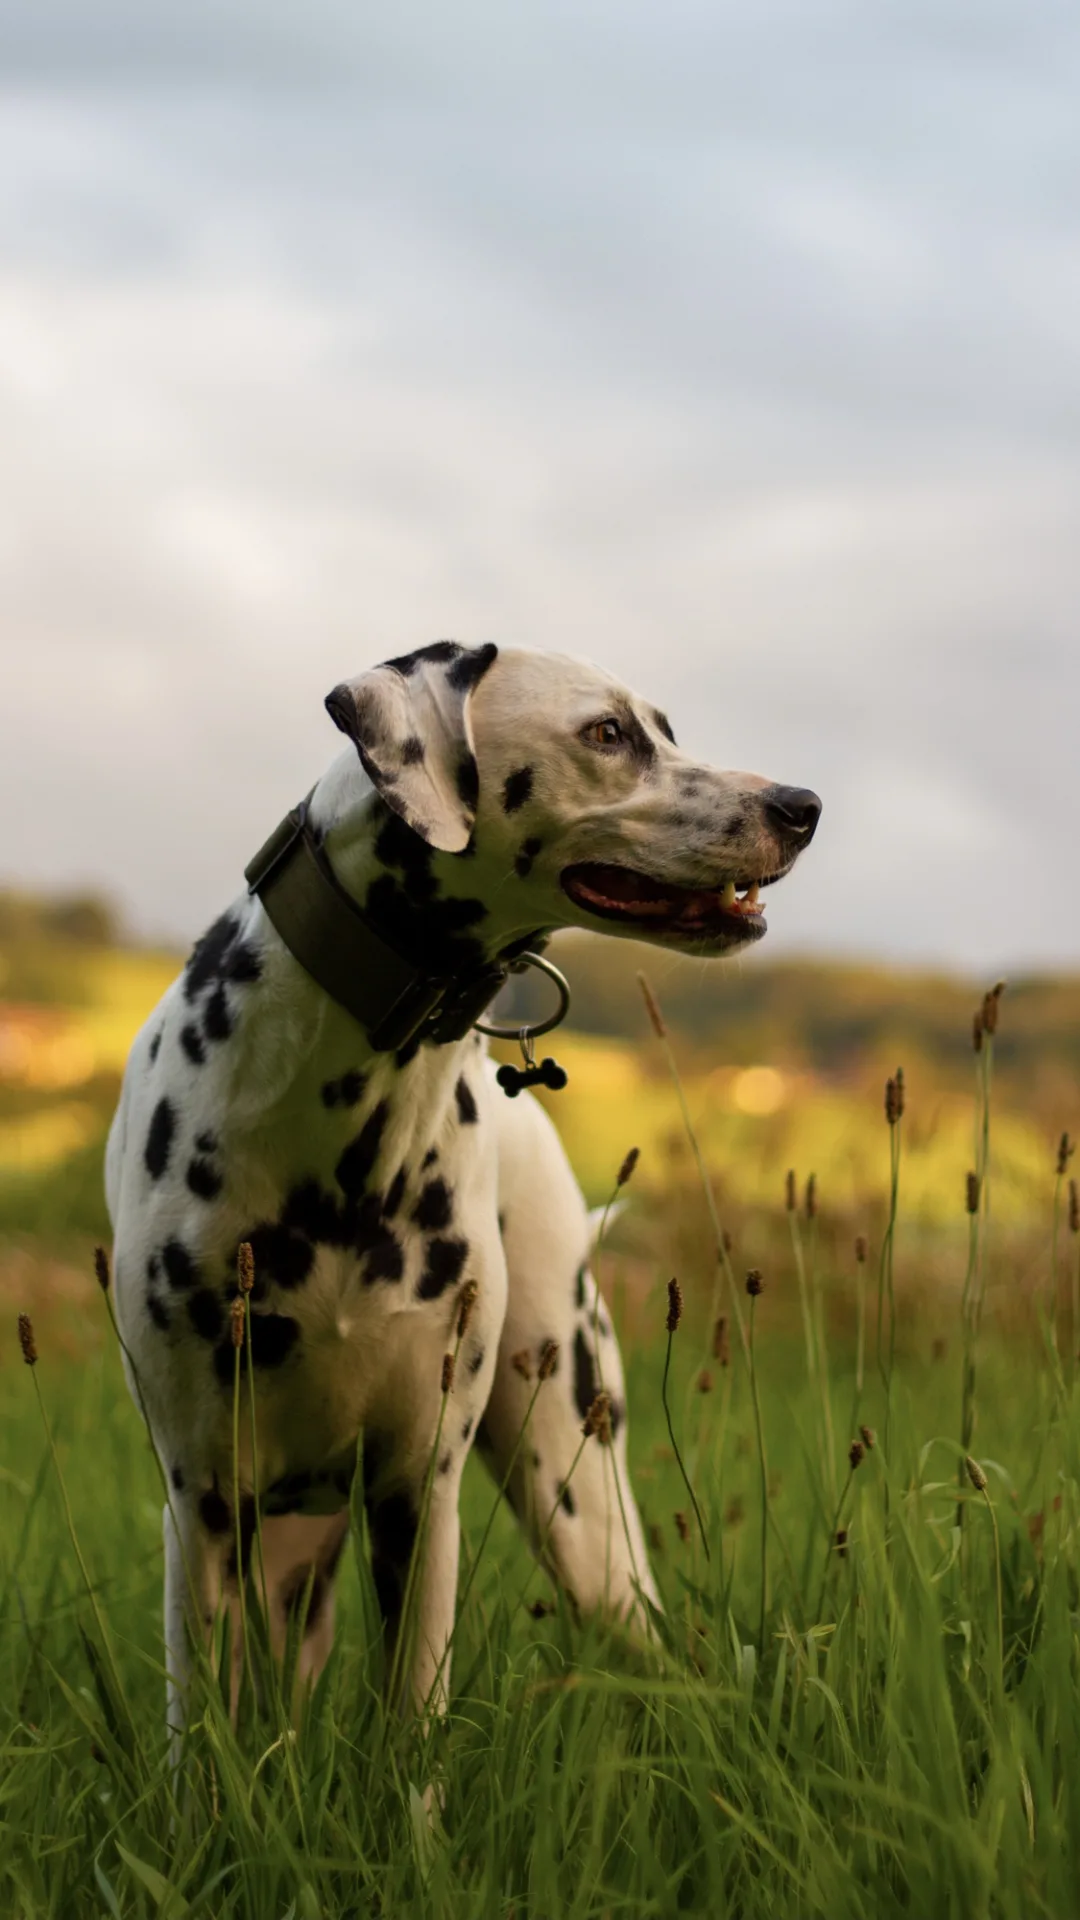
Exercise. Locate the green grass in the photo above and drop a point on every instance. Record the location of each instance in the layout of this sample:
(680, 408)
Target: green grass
(861, 1700)
(872, 1756)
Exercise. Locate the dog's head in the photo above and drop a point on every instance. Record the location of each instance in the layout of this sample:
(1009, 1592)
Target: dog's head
(567, 800)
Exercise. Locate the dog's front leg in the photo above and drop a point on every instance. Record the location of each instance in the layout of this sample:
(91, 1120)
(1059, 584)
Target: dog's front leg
(193, 1589)
(414, 1563)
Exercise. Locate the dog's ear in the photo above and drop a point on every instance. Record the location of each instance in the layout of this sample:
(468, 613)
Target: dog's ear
(409, 720)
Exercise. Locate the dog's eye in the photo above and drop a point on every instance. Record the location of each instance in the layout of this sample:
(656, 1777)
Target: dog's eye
(603, 733)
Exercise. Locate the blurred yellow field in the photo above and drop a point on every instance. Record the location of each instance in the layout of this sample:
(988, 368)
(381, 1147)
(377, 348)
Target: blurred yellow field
(61, 1054)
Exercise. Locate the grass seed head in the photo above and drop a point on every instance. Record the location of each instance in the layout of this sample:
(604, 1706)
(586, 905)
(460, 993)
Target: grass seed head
(894, 1097)
(682, 1527)
(841, 1542)
(447, 1372)
(975, 1474)
(754, 1282)
(236, 1316)
(656, 1538)
(862, 1248)
(674, 1305)
(790, 1200)
(855, 1454)
(245, 1267)
(466, 1303)
(704, 1381)
(971, 1193)
(1074, 1207)
(867, 1436)
(628, 1166)
(989, 1009)
(549, 1360)
(521, 1361)
(652, 1007)
(721, 1344)
(101, 1268)
(598, 1419)
(1065, 1153)
(977, 1031)
(811, 1196)
(26, 1339)
(726, 1241)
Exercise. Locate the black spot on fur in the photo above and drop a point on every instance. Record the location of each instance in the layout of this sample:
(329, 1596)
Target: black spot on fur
(579, 1288)
(177, 1479)
(153, 1267)
(159, 1139)
(500, 1221)
(476, 1361)
(273, 1337)
(203, 1179)
(406, 663)
(430, 932)
(586, 1384)
(392, 1523)
(214, 1511)
(396, 845)
(192, 1043)
(445, 1259)
(394, 1194)
(280, 1255)
(221, 955)
(346, 1092)
(289, 1494)
(386, 1261)
(310, 1210)
(444, 1463)
(527, 854)
(206, 1142)
(412, 751)
(430, 1157)
(206, 1313)
(158, 1312)
(433, 1209)
(734, 826)
(517, 789)
(566, 1499)
(217, 1018)
(155, 1045)
(471, 665)
(466, 1428)
(466, 1104)
(181, 1270)
(353, 1170)
(663, 725)
(468, 781)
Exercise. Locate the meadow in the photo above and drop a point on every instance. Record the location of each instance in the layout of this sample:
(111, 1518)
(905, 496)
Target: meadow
(861, 1695)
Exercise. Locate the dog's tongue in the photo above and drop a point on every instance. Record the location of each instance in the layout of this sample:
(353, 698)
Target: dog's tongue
(625, 887)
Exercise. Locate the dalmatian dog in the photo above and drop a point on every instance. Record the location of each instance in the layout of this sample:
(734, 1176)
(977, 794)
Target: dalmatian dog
(484, 799)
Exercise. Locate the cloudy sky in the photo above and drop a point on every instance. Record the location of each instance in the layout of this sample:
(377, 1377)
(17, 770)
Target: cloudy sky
(733, 344)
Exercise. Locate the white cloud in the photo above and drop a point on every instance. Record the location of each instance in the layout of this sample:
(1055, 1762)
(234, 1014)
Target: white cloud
(742, 376)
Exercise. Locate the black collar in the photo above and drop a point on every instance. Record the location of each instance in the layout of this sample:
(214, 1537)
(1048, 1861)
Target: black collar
(392, 998)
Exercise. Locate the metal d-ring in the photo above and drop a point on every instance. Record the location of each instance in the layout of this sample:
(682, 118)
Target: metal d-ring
(532, 1032)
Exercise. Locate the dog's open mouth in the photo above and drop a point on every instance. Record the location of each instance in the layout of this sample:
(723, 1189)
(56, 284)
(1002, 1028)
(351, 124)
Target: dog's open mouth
(730, 912)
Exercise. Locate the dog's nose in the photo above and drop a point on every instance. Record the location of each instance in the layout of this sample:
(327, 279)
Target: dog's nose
(793, 811)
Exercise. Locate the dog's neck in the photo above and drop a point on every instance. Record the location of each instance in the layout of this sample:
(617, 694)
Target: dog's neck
(441, 911)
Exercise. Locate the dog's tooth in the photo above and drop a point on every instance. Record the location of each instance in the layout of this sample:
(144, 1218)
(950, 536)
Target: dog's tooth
(752, 894)
(727, 897)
